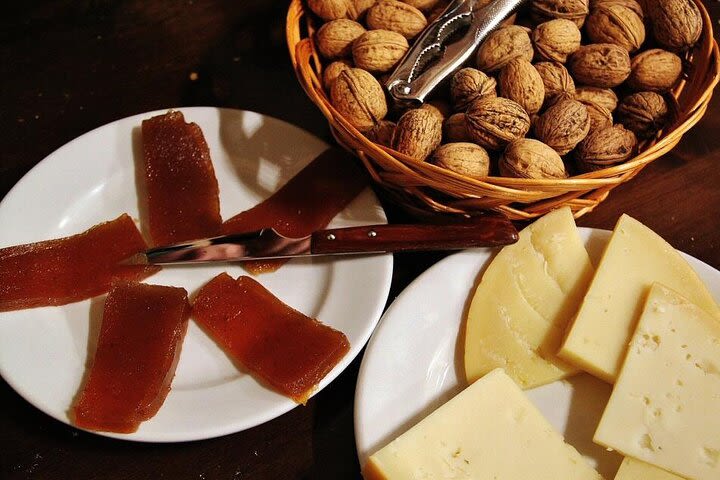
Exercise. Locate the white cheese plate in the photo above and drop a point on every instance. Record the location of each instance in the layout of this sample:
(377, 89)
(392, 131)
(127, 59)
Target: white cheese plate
(413, 362)
(44, 351)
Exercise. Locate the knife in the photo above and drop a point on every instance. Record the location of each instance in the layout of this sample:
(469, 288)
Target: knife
(490, 231)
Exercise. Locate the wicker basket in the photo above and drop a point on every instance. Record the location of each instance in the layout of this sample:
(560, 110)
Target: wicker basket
(423, 187)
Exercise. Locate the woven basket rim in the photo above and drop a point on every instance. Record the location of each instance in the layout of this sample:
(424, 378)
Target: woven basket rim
(519, 198)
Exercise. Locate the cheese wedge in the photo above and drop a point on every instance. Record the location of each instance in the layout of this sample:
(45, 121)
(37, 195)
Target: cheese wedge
(527, 296)
(632, 469)
(488, 431)
(664, 407)
(634, 258)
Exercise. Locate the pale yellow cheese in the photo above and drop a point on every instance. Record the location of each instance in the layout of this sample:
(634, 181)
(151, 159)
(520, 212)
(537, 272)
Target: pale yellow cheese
(664, 406)
(527, 295)
(490, 430)
(632, 469)
(634, 258)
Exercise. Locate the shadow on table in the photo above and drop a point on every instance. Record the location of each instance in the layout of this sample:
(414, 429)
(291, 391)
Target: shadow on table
(334, 454)
(250, 69)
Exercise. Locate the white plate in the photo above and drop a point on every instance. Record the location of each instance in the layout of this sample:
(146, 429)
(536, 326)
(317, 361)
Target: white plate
(410, 365)
(43, 351)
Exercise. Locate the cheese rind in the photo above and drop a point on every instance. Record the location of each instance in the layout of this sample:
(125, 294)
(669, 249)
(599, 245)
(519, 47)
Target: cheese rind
(663, 408)
(632, 469)
(634, 258)
(489, 430)
(527, 295)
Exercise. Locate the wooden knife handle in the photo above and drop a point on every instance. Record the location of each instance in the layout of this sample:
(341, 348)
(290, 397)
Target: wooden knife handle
(488, 231)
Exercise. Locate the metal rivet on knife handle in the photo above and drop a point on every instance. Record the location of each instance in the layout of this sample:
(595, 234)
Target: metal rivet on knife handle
(269, 244)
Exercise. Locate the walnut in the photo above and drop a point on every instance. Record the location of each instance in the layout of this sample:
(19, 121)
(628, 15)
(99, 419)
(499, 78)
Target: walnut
(396, 16)
(599, 96)
(438, 107)
(493, 122)
(519, 81)
(423, 5)
(469, 84)
(677, 24)
(605, 148)
(439, 8)
(378, 51)
(563, 125)
(528, 158)
(464, 158)
(633, 5)
(575, 10)
(417, 134)
(455, 129)
(600, 117)
(382, 133)
(503, 45)
(645, 113)
(556, 39)
(616, 23)
(362, 6)
(655, 70)
(335, 38)
(335, 9)
(358, 97)
(557, 81)
(332, 71)
(600, 65)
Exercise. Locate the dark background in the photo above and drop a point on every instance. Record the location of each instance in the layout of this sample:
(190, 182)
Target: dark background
(67, 67)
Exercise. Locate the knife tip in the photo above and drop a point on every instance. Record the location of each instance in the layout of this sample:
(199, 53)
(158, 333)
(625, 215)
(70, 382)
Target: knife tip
(137, 259)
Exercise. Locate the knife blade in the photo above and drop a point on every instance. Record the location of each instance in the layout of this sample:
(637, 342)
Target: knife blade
(490, 231)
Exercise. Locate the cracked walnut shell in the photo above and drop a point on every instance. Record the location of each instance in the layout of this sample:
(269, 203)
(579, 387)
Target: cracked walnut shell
(470, 84)
(521, 82)
(563, 125)
(529, 158)
(601, 65)
(556, 39)
(493, 122)
(502, 45)
(359, 98)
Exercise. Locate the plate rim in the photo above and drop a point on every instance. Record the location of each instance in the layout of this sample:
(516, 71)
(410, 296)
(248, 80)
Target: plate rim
(362, 384)
(385, 274)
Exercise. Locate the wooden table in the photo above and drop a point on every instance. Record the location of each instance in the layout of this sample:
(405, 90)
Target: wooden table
(70, 66)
